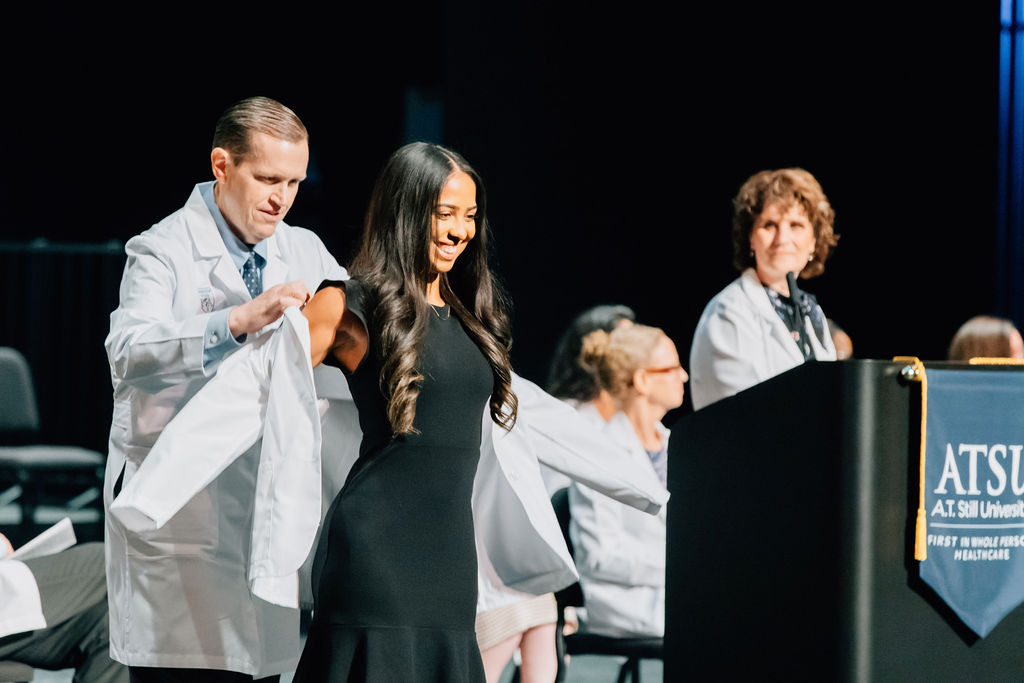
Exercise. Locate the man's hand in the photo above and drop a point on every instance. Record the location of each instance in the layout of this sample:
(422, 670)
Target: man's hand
(254, 315)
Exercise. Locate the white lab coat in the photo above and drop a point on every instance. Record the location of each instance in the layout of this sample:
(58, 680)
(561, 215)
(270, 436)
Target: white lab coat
(179, 595)
(741, 341)
(512, 513)
(589, 457)
(549, 432)
(620, 552)
(527, 554)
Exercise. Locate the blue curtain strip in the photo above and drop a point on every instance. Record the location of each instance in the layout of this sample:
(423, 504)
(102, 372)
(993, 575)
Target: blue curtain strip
(1010, 188)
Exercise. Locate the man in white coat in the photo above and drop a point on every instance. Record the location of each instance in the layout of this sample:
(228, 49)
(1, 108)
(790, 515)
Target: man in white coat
(197, 285)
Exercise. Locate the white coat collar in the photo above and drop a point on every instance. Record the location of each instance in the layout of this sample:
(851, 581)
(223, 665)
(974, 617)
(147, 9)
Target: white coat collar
(621, 430)
(275, 271)
(754, 290)
(209, 245)
(589, 410)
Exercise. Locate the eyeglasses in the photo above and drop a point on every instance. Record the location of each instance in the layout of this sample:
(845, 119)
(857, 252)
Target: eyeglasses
(673, 368)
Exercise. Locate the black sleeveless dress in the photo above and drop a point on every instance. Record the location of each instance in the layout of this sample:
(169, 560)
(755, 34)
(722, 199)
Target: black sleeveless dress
(394, 577)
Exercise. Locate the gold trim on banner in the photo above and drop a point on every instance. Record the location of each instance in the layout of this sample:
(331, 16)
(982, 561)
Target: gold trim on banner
(996, 361)
(915, 372)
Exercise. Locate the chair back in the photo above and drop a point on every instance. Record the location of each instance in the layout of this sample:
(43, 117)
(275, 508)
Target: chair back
(18, 411)
(570, 595)
(560, 502)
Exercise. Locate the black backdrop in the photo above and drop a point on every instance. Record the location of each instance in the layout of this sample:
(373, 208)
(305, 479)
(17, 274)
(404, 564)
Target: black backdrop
(611, 141)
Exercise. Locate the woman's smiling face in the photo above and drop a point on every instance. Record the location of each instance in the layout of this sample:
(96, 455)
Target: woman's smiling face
(454, 221)
(782, 240)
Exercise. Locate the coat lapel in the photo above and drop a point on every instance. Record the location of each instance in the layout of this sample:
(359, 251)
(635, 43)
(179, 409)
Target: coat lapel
(622, 432)
(769, 318)
(209, 246)
(275, 270)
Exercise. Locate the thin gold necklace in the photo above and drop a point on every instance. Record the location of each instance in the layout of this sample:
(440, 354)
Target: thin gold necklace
(434, 309)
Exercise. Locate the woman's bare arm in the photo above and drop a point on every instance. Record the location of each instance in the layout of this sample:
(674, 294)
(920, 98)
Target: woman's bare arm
(335, 330)
(324, 313)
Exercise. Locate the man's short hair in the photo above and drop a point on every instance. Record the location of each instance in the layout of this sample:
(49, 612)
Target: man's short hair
(256, 115)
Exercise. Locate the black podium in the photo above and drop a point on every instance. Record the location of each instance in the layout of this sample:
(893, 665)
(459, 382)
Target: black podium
(790, 540)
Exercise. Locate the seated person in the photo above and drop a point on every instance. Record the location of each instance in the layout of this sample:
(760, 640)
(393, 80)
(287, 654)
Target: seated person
(841, 340)
(619, 551)
(570, 381)
(53, 613)
(985, 336)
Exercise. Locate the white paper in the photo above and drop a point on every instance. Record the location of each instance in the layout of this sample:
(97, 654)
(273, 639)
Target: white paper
(58, 537)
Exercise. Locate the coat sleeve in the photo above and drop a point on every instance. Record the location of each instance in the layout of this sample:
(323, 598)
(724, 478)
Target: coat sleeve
(264, 390)
(568, 443)
(195, 447)
(147, 345)
(604, 549)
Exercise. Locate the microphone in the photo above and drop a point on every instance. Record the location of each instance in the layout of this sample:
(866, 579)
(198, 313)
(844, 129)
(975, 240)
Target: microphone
(794, 291)
(795, 296)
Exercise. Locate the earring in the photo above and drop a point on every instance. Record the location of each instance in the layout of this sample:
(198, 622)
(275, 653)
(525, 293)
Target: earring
(810, 257)
(751, 253)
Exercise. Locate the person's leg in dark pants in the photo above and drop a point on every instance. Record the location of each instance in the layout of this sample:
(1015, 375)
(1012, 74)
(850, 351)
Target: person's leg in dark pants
(73, 591)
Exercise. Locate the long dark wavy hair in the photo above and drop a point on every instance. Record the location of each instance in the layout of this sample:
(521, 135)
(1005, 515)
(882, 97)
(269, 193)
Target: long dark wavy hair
(394, 261)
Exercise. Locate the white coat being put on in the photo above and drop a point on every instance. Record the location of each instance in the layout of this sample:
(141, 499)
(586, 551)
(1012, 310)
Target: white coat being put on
(741, 341)
(179, 595)
(512, 513)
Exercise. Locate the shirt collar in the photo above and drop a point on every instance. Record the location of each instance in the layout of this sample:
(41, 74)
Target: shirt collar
(237, 249)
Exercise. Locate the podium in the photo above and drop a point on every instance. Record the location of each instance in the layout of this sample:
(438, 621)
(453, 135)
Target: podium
(790, 544)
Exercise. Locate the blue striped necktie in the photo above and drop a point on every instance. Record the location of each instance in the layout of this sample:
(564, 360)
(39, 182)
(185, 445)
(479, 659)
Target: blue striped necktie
(252, 274)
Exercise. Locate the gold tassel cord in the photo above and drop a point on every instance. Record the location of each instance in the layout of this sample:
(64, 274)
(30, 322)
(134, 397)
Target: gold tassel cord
(921, 523)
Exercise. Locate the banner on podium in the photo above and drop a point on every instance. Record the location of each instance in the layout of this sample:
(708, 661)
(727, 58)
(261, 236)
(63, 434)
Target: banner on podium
(974, 493)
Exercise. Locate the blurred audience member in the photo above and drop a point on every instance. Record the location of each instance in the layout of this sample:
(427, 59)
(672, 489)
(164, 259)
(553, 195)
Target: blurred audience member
(575, 384)
(620, 551)
(570, 381)
(841, 340)
(53, 613)
(527, 623)
(985, 336)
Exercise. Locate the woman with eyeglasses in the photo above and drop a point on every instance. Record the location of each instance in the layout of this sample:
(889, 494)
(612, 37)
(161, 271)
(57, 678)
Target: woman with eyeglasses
(619, 551)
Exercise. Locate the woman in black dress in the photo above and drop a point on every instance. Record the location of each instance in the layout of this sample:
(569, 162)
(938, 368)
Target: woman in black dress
(424, 343)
